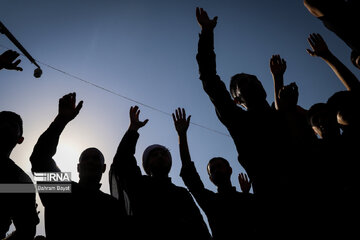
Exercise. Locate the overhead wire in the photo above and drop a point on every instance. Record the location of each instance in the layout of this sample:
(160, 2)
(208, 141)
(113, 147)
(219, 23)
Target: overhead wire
(118, 94)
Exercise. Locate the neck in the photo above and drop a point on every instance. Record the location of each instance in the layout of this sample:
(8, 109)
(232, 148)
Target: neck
(262, 106)
(225, 185)
(91, 184)
(5, 152)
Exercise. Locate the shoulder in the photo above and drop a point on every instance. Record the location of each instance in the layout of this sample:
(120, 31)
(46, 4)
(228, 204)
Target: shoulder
(10, 172)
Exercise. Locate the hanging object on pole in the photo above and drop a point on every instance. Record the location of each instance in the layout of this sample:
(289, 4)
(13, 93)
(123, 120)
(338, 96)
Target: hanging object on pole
(5, 31)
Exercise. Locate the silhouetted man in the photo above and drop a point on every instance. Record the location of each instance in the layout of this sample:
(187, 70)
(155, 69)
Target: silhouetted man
(86, 212)
(258, 131)
(161, 209)
(17, 192)
(230, 213)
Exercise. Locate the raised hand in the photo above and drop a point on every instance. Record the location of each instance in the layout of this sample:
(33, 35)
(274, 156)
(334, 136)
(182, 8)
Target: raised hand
(180, 121)
(318, 45)
(135, 123)
(7, 61)
(244, 182)
(204, 21)
(67, 107)
(277, 65)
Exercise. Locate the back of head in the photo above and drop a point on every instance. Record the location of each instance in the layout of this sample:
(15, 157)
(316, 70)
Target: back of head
(91, 165)
(156, 160)
(11, 130)
(219, 171)
(246, 89)
(13, 119)
(322, 118)
(346, 105)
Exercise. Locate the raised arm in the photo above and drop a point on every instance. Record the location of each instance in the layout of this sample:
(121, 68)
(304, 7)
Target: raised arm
(206, 58)
(7, 61)
(45, 148)
(277, 69)
(124, 165)
(181, 125)
(188, 172)
(320, 49)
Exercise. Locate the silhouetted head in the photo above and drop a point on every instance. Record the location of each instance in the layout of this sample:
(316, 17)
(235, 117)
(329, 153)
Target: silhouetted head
(91, 165)
(157, 161)
(247, 91)
(11, 131)
(219, 171)
(322, 119)
(355, 58)
(346, 105)
(288, 97)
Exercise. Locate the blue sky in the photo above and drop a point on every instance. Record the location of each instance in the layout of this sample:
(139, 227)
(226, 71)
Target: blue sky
(145, 50)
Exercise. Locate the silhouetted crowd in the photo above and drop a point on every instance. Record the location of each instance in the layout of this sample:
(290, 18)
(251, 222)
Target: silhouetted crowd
(300, 163)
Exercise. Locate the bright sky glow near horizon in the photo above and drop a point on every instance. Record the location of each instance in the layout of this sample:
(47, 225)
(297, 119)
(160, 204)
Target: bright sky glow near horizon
(145, 50)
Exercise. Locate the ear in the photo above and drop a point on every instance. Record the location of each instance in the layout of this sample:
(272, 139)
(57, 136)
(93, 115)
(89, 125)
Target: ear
(211, 179)
(78, 167)
(104, 168)
(317, 131)
(230, 170)
(20, 140)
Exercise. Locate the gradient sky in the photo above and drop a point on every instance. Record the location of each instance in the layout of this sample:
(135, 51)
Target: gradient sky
(145, 50)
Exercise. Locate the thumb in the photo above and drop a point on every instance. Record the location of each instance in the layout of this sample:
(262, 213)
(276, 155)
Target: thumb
(145, 122)
(79, 106)
(188, 119)
(311, 53)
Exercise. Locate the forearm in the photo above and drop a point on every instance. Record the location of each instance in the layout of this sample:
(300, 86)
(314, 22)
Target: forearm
(349, 80)
(127, 144)
(191, 178)
(46, 145)
(184, 149)
(206, 57)
(278, 84)
(124, 163)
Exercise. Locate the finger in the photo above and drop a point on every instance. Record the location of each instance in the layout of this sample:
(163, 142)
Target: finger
(318, 37)
(16, 63)
(145, 122)
(183, 114)
(311, 42)
(173, 117)
(73, 100)
(188, 119)
(311, 53)
(197, 12)
(137, 114)
(177, 114)
(246, 178)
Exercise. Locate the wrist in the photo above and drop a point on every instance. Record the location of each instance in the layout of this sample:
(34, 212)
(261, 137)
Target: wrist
(182, 134)
(59, 119)
(133, 128)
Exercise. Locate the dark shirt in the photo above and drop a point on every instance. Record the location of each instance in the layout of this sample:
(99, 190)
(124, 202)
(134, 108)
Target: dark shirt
(229, 212)
(162, 210)
(257, 134)
(263, 147)
(82, 214)
(20, 207)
